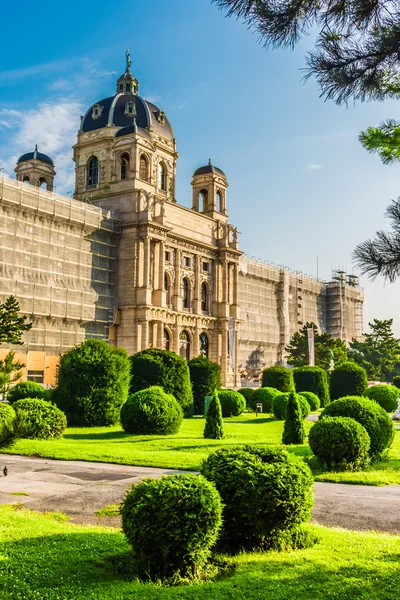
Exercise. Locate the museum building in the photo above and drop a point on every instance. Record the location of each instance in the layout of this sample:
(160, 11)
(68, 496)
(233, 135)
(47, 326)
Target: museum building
(124, 262)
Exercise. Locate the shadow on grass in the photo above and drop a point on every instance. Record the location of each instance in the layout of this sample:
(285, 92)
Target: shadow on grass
(255, 421)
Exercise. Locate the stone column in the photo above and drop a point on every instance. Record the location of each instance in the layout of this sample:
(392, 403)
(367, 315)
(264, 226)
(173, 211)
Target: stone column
(197, 299)
(177, 299)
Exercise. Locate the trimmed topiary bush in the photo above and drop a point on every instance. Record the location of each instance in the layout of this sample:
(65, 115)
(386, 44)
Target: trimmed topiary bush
(348, 379)
(205, 376)
(293, 430)
(232, 403)
(151, 411)
(214, 427)
(312, 379)
(385, 395)
(280, 403)
(370, 415)
(247, 393)
(266, 494)
(280, 378)
(93, 383)
(264, 396)
(312, 400)
(154, 367)
(341, 443)
(44, 420)
(7, 419)
(171, 524)
(27, 389)
(396, 381)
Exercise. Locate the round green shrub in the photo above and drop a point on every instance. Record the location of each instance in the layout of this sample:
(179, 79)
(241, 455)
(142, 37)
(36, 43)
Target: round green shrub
(370, 415)
(151, 411)
(396, 381)
(280, 378)
(265, 493)
(348, 379)
(280, 402)
(171, 524)
(93, 383)
(27, 389)
(264, 396)
(44, 420)
(312, 400)
(341, 443)
(154, 367)
(232, 403)
(247, 393)
(385, 395)
(312, 379)
(205, 376)
(7, 418)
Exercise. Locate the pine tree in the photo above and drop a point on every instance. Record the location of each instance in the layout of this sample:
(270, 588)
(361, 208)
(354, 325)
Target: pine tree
(293, 431)
(12, 326)
(214, 427)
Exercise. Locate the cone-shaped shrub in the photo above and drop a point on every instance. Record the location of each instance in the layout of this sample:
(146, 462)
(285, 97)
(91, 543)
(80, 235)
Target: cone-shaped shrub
(293, 430)
(205, 376)
(214, 427)
(348, 379)
(312, 379)
(280, 378)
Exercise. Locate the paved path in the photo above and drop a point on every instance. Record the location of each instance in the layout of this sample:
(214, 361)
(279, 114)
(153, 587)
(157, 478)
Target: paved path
(80, 488)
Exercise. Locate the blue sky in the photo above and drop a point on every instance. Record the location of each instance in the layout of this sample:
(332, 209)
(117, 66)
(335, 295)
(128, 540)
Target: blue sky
(301, 185)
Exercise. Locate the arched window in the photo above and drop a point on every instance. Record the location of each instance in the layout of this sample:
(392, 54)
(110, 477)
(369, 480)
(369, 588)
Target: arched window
(204, 344)
(93, 171)
(203, 200)
(185, 293)
(124, 166)
(26, 179)
(162, 177)
(167, 288)
(219, 201)
(167, 340)
(204, 297)
(143, 168)
(184, 345)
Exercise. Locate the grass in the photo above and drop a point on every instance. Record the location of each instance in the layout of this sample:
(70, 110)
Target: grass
(111, 510)
(41, 557)
(19, 494)
(186, 449)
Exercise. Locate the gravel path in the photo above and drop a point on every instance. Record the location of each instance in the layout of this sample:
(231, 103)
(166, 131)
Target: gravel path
(78, 489)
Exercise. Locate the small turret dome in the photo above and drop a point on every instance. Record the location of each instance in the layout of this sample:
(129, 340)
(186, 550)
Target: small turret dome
(35, 155)
(209, 169)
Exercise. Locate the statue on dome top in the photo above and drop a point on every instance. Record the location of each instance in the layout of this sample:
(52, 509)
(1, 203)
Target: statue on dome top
(128, 60)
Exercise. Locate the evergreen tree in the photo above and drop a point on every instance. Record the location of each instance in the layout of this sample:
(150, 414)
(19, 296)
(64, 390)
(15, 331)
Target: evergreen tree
(12, 326)
(325, 348)
(379, 352)
(214, 427)
(10, 372)
(293, 430)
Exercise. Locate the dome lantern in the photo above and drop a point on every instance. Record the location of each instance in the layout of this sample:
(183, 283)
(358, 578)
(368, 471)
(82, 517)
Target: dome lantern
(127, 83)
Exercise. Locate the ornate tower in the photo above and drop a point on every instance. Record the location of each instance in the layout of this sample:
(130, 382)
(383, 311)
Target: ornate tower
(209, 192)
(36, 169)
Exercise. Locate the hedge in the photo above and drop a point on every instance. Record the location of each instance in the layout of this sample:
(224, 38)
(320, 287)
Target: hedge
(341, 443)
(154, 367)
(44, 420)
(93, 383)
(280, 378)
(265, 492)
(264, 396)
(171, 524)
(205, 376)
(280, 403)
(232, 403)
(385, 395)
(151, 411)
(247, 393)
(370, 415)
(312, 379)
(348, 379)
(27, 389)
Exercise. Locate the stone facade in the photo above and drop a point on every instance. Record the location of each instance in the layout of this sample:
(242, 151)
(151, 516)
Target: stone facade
(123, 261)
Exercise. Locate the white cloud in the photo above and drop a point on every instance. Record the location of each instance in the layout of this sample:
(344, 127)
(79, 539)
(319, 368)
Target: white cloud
(313, 167)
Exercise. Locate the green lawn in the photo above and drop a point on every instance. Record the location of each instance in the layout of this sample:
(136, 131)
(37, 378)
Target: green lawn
(186, 449)
(43, 557)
